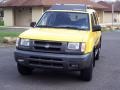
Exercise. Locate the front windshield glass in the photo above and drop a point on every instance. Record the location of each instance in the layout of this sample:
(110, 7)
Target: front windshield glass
(70, 20)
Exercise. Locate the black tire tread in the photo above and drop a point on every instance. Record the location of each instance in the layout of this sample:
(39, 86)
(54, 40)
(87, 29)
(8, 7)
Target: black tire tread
(23, 70)
(86, 74)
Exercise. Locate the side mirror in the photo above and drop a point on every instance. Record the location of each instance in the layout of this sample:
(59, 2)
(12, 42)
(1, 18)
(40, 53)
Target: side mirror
(32, 24)
(97, 28)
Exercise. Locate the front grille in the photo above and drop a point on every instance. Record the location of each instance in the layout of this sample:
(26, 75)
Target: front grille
(47, 46)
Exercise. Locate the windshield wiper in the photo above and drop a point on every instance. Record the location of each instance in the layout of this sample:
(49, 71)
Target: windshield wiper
(73, 27)
(45, 26)
(70, 27)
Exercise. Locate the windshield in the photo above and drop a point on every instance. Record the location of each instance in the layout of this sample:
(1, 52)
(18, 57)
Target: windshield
(70, 20)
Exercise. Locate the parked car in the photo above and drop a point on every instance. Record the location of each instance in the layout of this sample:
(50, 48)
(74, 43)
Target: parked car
(67, 37)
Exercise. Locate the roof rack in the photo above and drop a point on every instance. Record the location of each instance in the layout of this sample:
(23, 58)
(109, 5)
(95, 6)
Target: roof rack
(79, 7)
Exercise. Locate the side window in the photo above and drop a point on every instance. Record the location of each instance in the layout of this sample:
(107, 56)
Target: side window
(47, 19)
(95, 18)
(92, 20)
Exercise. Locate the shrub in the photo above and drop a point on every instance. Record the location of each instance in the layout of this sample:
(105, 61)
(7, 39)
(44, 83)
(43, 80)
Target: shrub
(1, 23)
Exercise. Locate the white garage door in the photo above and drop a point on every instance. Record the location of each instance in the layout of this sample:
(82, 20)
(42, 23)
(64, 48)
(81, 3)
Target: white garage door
(108, 17)
(23, 16)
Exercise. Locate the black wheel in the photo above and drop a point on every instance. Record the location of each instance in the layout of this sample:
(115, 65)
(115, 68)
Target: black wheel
(23, 70)
(94, 61)
(86, 74)
(98, 55)
(98, 52)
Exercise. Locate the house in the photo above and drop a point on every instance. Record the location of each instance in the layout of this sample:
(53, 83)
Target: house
(107, 19)
(23, 12)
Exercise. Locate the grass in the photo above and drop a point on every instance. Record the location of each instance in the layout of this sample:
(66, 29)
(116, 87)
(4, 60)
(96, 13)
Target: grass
(8, 33)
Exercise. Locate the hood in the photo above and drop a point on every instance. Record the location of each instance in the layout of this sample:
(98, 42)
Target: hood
(56, 34)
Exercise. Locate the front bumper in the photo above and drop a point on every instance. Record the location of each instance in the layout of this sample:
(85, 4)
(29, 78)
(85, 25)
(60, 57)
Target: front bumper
(52, 60)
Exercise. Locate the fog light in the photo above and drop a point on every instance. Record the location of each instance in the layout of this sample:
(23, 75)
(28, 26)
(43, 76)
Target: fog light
(74, 65)
(20, 60)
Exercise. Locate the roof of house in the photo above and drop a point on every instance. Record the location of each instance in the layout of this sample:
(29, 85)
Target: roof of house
(19, 3)
(109, 6)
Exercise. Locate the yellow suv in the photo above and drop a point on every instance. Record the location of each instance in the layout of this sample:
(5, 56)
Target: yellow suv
(67, 37)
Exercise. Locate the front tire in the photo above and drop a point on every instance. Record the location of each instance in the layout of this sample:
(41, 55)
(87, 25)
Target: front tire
(23, 70)
(86, 74)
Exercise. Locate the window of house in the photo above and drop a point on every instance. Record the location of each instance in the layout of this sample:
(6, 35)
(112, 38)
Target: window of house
(30, 10)
(1, 13)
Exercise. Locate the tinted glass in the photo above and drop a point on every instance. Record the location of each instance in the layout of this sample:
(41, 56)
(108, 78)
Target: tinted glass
(65, 20)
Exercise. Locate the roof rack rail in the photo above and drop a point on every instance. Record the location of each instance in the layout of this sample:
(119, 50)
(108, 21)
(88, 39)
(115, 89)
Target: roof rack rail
(79, 7)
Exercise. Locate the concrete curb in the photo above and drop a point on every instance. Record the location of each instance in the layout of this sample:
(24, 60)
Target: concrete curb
(16, 27)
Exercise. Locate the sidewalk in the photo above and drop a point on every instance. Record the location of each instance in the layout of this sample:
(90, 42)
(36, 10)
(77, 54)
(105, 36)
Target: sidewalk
(109, 24)
(15, 27)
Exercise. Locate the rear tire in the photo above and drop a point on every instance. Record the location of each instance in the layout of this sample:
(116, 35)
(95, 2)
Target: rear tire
(23, 70)
(86, 74)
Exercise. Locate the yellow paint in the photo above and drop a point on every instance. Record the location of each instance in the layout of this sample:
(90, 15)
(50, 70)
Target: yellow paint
(56, 34)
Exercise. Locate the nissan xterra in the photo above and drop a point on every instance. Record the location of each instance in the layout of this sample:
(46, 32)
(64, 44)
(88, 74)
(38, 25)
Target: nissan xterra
(67, 37)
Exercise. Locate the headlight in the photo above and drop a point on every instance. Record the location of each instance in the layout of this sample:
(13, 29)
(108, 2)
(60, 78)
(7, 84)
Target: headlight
(83, 47)
(17, 42)
(25, 42)
(77, 46)
(73, 46)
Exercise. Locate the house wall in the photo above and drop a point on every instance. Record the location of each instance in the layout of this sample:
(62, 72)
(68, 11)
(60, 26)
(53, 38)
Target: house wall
(13, 18)
(36, 13)
(108, 17)
(23, 16)
(100, 14)
(8, 17)
(119, 17)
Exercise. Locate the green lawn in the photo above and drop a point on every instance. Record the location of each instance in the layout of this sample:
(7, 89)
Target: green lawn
(8, 33)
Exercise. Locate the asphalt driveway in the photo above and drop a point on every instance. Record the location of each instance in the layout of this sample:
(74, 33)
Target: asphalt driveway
(106, 74)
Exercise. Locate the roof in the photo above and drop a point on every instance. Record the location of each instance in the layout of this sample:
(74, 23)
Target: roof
(19, 3)
(109, 6)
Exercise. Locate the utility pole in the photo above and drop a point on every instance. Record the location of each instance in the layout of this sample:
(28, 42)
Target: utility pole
(112, 15)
